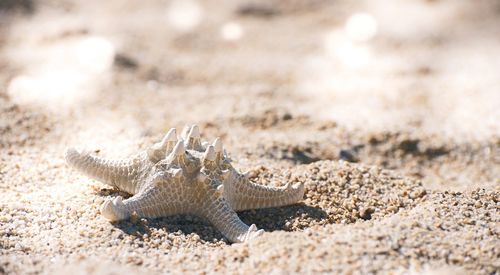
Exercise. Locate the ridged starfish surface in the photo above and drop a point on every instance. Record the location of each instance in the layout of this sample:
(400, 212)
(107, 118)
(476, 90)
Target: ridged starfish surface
(184, 176)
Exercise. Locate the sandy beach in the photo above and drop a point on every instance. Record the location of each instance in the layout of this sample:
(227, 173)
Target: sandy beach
(388, 112)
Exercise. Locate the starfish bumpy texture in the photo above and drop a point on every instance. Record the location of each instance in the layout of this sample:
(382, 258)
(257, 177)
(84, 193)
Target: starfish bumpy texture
(184, 176)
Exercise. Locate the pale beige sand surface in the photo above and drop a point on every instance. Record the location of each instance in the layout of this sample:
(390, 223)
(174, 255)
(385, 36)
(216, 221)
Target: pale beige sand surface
(396, 136)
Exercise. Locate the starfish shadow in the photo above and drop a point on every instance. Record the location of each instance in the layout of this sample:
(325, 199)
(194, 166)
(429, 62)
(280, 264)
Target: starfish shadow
(107, 191)
(269, 219)
(282, 218)
(177, 225)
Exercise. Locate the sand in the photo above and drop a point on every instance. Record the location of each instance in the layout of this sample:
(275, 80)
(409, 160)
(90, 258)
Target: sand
(396, 138)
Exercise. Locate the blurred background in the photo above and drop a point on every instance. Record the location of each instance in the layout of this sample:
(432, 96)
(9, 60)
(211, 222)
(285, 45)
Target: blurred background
(289, 80)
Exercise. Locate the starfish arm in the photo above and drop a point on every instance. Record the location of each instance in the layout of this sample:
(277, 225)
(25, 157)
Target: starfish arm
(219, 213)
(115, 210)
(157, 199)
(119, 173)
(243, 194)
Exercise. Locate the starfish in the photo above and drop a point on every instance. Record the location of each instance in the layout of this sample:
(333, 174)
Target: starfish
(182, 175)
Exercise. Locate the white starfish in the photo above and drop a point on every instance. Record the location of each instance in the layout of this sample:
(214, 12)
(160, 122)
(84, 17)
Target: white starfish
(184, 177)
